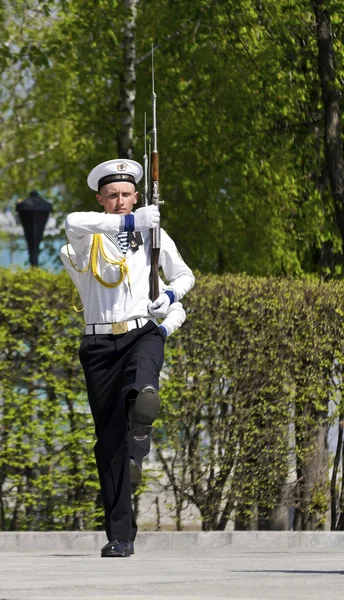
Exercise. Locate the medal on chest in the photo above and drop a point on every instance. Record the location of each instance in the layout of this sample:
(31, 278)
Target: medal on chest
(135, 240)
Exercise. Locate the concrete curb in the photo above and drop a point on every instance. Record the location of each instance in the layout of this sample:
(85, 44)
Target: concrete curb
(226, 542)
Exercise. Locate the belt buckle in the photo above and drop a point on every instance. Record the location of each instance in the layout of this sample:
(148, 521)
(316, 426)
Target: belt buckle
(118, 328)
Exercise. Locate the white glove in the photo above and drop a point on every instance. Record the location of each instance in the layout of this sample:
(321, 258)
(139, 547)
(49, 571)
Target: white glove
(160, 306)
(147, 217)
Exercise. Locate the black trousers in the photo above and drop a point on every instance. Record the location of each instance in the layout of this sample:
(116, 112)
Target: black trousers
(116, 367)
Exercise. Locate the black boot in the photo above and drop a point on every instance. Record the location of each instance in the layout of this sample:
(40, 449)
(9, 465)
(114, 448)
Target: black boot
(117, 548)
(143, 411)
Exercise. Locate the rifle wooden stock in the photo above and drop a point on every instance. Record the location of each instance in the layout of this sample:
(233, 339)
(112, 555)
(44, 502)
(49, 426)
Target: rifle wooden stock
(155, 168)
(154, 274)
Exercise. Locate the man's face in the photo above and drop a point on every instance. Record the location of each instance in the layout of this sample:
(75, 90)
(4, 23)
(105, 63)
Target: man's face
(118, 198)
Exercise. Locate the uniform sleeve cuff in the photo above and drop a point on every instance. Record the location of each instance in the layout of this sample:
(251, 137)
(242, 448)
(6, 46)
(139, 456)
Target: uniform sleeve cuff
(129, 223)
(163, 331)
(171, 296)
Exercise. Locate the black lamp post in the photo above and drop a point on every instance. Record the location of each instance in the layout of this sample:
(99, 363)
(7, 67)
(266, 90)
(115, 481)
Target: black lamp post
(33, 214)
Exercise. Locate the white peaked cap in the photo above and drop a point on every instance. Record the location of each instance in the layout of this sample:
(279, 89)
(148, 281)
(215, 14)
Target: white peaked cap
(114, 170)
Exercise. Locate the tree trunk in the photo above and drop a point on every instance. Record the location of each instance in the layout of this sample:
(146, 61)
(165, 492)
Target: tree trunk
(128, 82)
(14, 524)
(246, 518)
(158, 517)
(274, 519)
(176, 488)
(2, 510)
(335, 470)
(312, 478)
(331, 100)
(340, 524)
(225, 516)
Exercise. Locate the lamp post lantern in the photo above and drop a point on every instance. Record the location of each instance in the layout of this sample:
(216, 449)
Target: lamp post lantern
(33, 214)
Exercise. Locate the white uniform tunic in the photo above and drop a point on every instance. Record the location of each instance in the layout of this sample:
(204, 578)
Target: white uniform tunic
(130, 298)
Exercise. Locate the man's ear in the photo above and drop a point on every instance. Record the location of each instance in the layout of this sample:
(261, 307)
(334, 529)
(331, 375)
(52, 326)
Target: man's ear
(136, 197)
(100, 199)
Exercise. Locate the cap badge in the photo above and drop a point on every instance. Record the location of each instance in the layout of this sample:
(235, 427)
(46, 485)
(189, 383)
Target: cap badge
(121, 167)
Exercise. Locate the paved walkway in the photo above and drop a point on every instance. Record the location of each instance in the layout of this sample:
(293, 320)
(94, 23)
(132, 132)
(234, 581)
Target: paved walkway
(193, 568)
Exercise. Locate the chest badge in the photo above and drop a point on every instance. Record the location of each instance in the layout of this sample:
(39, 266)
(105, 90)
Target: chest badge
(135, 240)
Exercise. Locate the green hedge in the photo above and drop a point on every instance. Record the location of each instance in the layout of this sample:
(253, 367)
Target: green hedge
(246, 404)
(47, 468)
(246, 388)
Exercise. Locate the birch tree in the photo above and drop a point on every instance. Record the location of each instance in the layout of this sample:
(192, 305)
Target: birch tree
(127, 92)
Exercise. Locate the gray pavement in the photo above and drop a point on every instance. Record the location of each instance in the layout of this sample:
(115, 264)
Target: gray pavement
(188, 566)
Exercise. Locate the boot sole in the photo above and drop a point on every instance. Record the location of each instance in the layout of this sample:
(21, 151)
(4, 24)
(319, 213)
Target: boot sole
(116, 555)
(143, 412)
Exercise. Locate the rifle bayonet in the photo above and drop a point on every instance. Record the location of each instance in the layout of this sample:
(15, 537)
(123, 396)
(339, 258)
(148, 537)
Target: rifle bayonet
(145, 165)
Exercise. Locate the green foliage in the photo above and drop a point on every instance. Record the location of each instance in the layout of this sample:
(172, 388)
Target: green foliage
(240, 117)
(245, 389)
(48, 477)
(248, 381)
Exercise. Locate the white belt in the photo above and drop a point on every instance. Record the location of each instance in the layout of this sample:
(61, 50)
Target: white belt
(115, 328)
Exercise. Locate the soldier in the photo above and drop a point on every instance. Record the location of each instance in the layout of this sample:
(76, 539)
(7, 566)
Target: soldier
(108, 258)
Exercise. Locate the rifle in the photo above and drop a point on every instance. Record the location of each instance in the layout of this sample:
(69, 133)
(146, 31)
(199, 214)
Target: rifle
(154, 195)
